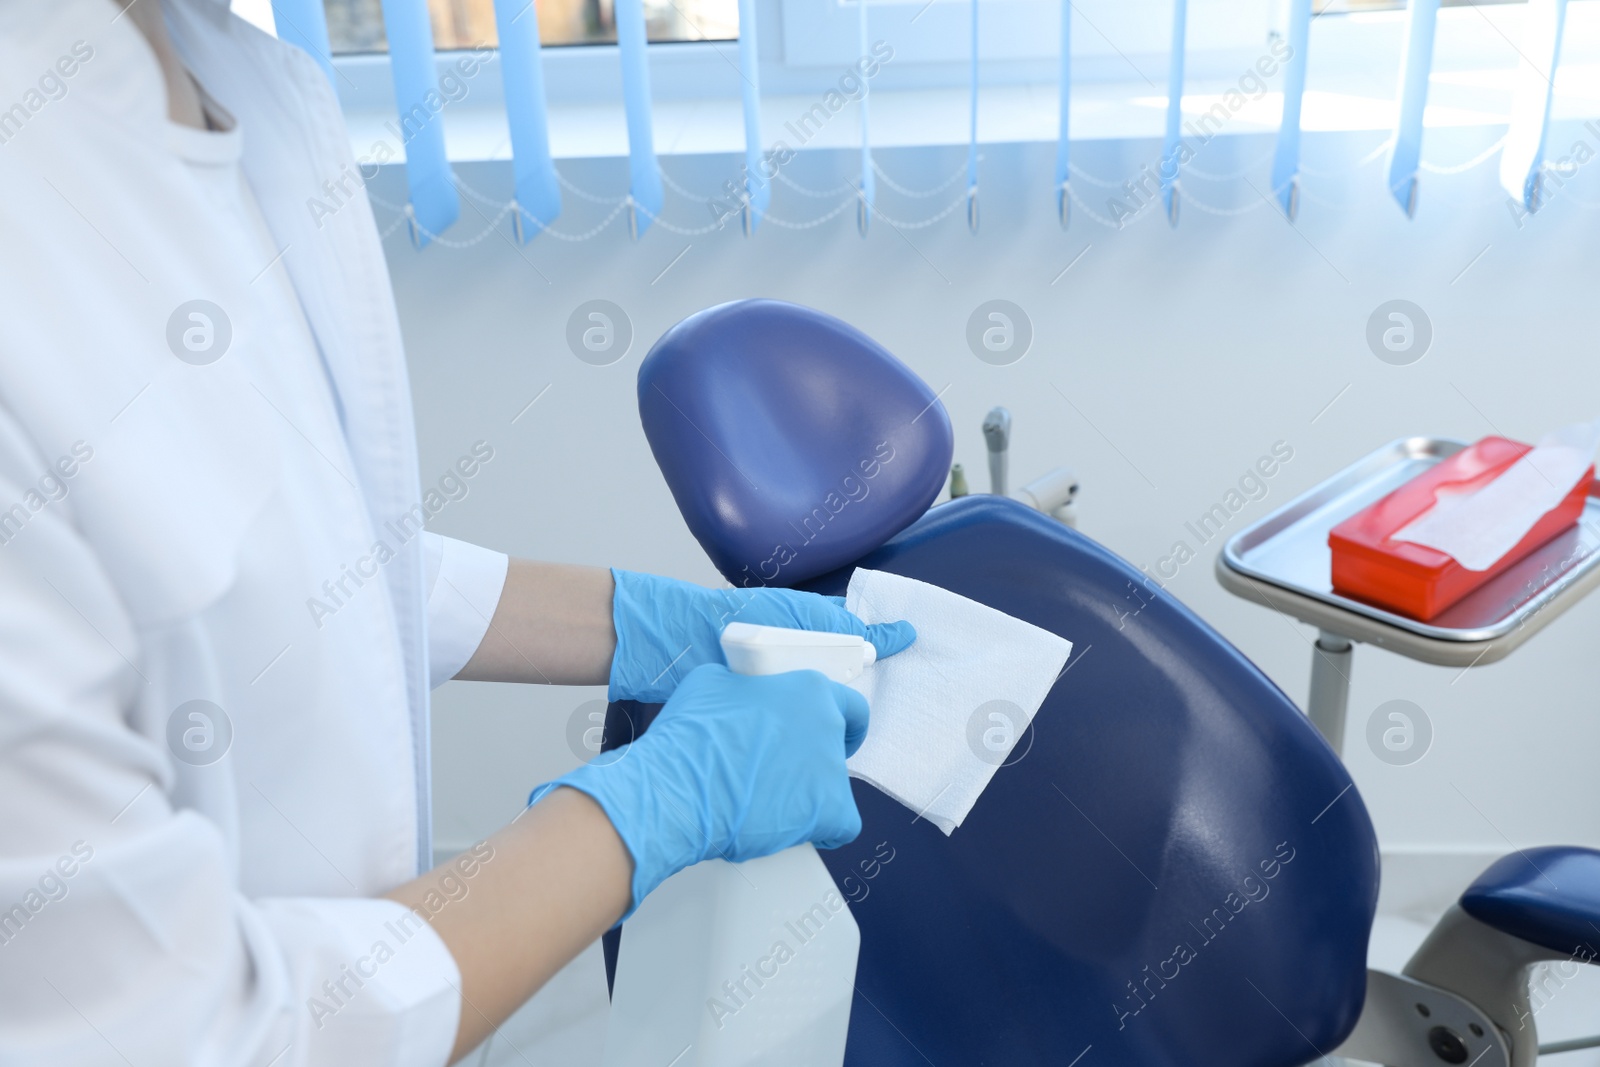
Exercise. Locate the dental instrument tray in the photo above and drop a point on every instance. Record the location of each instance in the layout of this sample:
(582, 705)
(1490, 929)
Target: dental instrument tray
(1284, 562)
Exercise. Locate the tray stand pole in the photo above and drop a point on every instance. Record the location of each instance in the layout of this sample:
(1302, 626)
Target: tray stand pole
(1330, 687)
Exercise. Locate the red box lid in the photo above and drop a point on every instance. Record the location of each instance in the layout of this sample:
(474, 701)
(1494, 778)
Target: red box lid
(1419, 581)
(1466, 471)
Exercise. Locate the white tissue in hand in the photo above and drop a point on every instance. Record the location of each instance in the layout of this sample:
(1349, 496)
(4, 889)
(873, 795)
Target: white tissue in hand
(927, 731)
(1477, 529)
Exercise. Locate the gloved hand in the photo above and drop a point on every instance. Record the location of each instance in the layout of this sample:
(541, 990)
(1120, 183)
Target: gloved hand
(667, 628)
(734, 767)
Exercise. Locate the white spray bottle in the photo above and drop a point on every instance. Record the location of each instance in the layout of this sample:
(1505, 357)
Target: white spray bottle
(738, 965)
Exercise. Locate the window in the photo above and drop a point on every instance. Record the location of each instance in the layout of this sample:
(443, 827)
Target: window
(1107, 35)
(357, 25)
(823, 32)
(1334, 7)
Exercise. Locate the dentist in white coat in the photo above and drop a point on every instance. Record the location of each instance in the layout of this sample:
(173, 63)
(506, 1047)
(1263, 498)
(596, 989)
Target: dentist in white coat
(214, 802)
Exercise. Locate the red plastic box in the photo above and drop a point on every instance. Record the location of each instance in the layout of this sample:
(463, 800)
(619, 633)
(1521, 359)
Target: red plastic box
(1422, 582)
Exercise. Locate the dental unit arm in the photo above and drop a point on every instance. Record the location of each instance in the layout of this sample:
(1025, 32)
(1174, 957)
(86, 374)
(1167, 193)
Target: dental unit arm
(1053, 493)
(997, 435)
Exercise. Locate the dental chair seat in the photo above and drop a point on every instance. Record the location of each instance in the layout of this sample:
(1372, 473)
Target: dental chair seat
(1549, 896)
(1172, 870)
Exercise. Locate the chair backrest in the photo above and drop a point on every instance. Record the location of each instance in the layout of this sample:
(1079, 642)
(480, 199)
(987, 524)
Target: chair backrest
(1172, 870)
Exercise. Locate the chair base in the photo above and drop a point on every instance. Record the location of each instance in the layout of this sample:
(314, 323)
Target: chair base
(1464, 998)
(1407, 1023)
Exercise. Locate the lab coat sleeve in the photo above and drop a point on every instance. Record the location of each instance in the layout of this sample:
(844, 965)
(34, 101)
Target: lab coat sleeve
(124, 937)
(464, 584)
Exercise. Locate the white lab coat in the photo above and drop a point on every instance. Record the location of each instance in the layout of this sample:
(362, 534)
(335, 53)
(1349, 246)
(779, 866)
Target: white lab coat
(162, 534)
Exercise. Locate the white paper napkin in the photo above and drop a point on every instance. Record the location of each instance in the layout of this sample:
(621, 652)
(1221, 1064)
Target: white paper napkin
(947, 711)
(1477, 529)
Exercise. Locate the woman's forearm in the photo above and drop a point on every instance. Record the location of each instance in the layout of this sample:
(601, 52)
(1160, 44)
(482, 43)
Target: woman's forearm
(557, 877)
(552, 625)
(539, 892)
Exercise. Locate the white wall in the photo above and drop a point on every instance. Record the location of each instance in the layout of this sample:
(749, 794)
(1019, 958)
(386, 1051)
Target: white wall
(1188, 352)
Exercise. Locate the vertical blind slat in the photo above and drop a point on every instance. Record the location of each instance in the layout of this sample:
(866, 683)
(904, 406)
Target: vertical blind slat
(644, 177)
(1172, 144)
(869, 185)
(972, 131)
(1421, 21)
(1063, 146)
(538, 189)
(1522, 159)
(1286, 156)
(435, 204)
(758, 185)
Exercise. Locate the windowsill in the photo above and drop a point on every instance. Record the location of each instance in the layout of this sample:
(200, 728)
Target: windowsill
(939, 117)
(1354, 64)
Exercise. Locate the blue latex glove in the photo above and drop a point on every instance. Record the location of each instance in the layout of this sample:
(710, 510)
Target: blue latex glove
(734, 767)
(667, 628)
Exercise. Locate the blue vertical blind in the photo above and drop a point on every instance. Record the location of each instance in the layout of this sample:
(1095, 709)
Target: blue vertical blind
(538, 188)
(972, 133)
(435, 204)
(1286, 155)
(1406, 155)
(758, 184)
(1522, 159)
(644, 177)
(1172, 146)
(868, 192)
(1063, 146)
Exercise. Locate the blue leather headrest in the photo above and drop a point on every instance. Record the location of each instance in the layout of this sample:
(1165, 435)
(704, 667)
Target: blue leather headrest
(792, 442)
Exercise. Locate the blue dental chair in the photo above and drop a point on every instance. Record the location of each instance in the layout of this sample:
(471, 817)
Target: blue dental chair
(1173, 869)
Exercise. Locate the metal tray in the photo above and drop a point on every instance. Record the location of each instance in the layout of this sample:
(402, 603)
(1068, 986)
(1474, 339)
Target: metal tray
(1289, 549)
